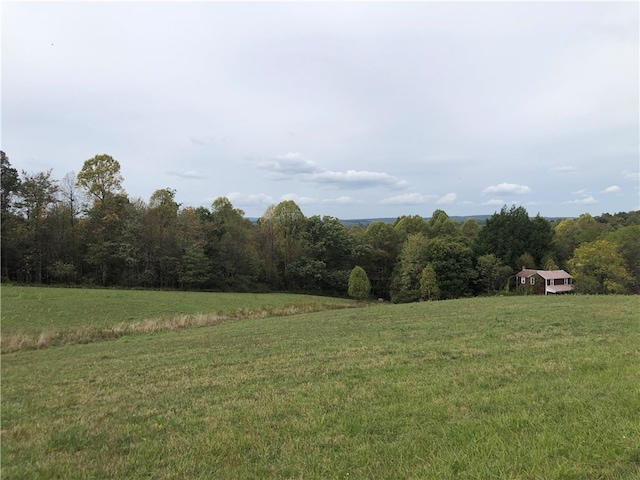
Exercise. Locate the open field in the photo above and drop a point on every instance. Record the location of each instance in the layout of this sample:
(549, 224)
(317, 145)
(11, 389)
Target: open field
(509, 387)
(37, 317)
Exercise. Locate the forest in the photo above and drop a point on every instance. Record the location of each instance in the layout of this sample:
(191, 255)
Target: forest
(84, 230)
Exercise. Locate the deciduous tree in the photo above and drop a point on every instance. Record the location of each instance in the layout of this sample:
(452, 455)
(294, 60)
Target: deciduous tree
(359, 285)
(597, 267)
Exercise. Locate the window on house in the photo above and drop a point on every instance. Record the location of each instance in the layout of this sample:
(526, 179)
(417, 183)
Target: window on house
(549, 282)
(522, 280)
(566, 281)
(532, 280)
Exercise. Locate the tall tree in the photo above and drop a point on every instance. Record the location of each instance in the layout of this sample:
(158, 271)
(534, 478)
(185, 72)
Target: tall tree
(489, 272)
(10, 224)
(100, 177)
(289, 222)
(234, 257)
(405, 286)
(429, 289)
(9, 182)
(410, 224)
(359, 285)
(379, 252)
(36, 196)
(627, 241)
(597, 267)
(452, 261)
(440, 224)
(511, 233)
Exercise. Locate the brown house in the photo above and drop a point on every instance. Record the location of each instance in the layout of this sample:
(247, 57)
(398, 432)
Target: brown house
(543, 282)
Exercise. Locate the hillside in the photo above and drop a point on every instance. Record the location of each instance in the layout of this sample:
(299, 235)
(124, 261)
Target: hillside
(503, 387)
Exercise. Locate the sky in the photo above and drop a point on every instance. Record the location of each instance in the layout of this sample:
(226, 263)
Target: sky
(350, 109)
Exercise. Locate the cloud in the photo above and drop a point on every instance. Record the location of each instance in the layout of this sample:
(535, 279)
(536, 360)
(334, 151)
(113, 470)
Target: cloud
(298, 199)
(251, 199)
(294, 166)
(507, 189)
(611, 189)
(447, 199)
(342, 200)
(356, 179)
(631, 175)
(566, 169)
(290, 164)
(584, 192)
(189, 175)
(588, 200)
(494, 202)
(408, 199)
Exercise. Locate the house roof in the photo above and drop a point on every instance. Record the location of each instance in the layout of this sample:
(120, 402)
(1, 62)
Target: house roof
(546, 274)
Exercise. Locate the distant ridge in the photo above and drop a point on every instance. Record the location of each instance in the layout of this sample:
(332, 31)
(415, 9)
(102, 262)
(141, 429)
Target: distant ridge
(481, 219)
(364, 222)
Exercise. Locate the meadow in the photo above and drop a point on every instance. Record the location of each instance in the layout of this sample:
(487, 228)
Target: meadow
(504, 387)
(38, 317)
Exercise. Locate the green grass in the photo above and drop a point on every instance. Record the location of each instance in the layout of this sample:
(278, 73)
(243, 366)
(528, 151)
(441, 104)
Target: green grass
(39, 317)
(35, 309)
(509, 387)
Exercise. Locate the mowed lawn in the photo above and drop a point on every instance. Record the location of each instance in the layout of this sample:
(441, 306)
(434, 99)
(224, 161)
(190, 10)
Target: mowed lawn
(508, 387)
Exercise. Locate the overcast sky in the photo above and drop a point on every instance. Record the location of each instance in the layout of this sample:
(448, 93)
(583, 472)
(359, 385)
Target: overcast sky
(354, 110)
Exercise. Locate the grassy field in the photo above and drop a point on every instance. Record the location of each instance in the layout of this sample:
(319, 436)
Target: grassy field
(37, 317)
(509, 387)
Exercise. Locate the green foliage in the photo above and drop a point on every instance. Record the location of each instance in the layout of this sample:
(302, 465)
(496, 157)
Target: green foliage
(597, 267)
(490, 272)
(627, 241)
(411, 263)
(380, 244)
(511, 233)
(452, 261)
(441, 225)
(359, 285)
(429, 289)
(100, 177)
(9, 182)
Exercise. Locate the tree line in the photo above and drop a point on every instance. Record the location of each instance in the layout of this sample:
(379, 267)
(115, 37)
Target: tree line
(85, 230)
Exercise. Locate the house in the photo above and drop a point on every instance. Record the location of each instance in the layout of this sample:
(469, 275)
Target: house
(544, 281)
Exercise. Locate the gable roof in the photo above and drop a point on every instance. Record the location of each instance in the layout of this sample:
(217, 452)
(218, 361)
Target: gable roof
(546, 274)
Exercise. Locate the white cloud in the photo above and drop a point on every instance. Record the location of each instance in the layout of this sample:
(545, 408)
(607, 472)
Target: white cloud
(494, 202)
(583, 192)
(589, 200)
(251, 199)
(566, 169)
(447, 199)
(356, 179)
(631, 175)
(300, 200)
(507, 189)
(294, 166)
(343, 200)
(611, 189)
(408, 199)
(289, 164)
